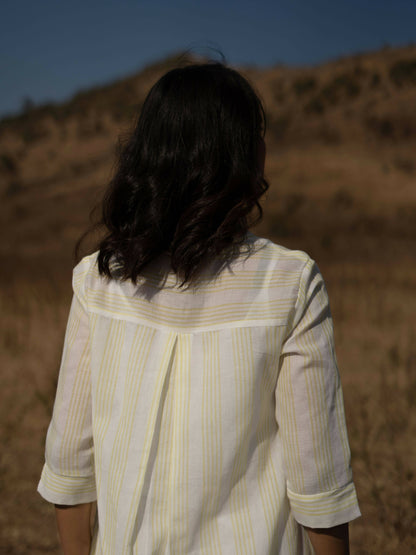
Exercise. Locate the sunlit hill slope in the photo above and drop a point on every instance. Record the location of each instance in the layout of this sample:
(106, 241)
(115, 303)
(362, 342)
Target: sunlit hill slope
(341, 158)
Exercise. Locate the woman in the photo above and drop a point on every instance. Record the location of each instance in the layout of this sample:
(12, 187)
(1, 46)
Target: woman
(198, 401)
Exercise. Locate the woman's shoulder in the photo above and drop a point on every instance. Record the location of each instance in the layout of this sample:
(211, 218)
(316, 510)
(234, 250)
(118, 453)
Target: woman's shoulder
(268, 251)
(83, 272)
(259, 256)
(86, 264)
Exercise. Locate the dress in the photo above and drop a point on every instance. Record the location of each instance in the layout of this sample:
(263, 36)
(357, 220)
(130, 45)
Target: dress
(203, 421)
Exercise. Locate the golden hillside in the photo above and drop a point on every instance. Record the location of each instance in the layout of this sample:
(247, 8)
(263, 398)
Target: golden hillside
(342, 170)
(341, 158)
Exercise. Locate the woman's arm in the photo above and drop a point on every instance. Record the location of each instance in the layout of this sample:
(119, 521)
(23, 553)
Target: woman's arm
(74, 527)
(330, 541)
(311, 419)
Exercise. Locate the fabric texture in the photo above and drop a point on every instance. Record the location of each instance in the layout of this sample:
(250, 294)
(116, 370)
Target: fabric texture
(203, 421)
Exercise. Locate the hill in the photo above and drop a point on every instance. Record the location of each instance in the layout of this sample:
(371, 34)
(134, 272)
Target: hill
(340, 138)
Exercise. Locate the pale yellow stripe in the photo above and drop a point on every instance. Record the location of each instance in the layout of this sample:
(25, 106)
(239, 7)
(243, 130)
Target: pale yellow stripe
(195, 326)
(70, 335)
(191, 315)
(205, 539)
(136, 363)
(235, 521)
(87, 414)
(70, 485)
(276, 338)
(290, 436)
(269, 494)
(330, 510)
(315, 431)
(316, 393)
(243, 366)
(181, 405)
(160, 511)
(208, 467)
(187, 425)
(323, 410)
(241, 428)
(342, 430)
(249, 391)
(81, 394)
(68, 456)
(218, 428)
(293, 531)
(164, 370)
(215, 440)
(250, 280)
(270, 253)
(107, 378)
(53, 436)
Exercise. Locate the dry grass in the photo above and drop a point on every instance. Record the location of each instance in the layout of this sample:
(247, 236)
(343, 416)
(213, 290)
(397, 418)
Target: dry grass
(342, 188)
(373, 308)
(31, 337)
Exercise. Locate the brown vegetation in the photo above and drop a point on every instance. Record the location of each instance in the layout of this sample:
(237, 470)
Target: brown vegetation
(342, 167)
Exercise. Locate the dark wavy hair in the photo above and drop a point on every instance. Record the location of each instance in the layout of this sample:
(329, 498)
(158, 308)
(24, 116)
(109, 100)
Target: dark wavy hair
(188, 177)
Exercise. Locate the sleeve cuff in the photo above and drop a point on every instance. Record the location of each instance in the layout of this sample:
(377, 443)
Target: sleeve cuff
(66, 490)
(323, 510)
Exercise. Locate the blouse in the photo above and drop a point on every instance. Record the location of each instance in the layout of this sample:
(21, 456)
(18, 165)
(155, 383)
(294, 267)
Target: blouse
(206, 420)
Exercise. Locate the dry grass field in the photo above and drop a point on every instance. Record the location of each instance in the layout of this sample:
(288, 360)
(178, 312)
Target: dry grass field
(342, 169)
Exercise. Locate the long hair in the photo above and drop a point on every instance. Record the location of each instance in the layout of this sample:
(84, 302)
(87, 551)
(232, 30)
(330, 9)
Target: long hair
(188, 177)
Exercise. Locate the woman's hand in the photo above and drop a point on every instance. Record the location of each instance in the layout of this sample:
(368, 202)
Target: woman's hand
(74, 527)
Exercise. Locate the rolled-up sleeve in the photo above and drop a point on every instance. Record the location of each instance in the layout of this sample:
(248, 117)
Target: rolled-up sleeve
(68, 473)
(310, 413)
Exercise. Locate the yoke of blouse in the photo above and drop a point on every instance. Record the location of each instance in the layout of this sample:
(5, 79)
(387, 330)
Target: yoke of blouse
(207, 420)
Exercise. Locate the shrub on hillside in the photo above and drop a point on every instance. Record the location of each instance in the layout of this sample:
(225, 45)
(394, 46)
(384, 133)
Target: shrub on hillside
(383, 126)
(314, 106)
(375, 80)
(403, 72)
(304, 85)
(8, 164)
(343, 85)
(392, 126)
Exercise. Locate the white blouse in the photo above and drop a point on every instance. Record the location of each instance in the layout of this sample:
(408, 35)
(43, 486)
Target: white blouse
(203, 421)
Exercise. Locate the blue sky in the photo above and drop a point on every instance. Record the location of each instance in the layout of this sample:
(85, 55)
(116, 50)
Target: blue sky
(49, 49)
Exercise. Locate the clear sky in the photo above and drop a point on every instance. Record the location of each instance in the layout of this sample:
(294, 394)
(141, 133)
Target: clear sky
(49, 49)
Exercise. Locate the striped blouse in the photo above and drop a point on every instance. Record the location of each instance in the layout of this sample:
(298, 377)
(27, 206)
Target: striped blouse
(208, 420)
